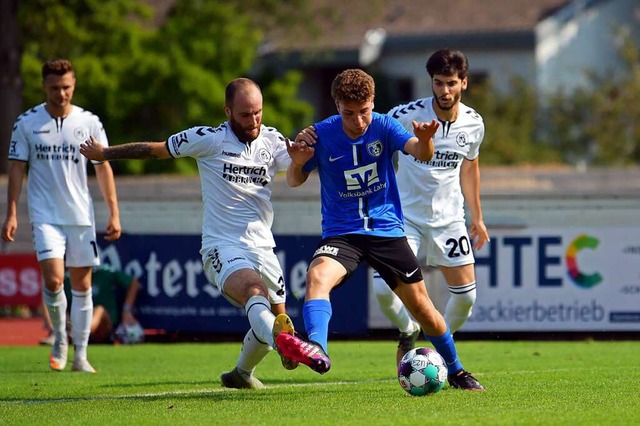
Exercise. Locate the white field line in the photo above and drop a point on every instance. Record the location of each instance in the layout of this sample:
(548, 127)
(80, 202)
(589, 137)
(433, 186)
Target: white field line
(181, 392)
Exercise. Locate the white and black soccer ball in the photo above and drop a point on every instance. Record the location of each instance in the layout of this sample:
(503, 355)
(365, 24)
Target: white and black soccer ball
(129, 334)
(422, 371)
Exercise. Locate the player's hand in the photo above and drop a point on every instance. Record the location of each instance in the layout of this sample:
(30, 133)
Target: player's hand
(299, 151)
(92, 149)
(9, 229)
(128, 318)
(478, 234)
(113, 230)
(307, 135)
(425, 131)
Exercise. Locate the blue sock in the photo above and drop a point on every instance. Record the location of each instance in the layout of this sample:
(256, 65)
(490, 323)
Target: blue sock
(316, 314)
(446, 347)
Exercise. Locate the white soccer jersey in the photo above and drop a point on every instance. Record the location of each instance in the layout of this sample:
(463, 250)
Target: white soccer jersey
(236, 182)
(430, 191)
(57, 184)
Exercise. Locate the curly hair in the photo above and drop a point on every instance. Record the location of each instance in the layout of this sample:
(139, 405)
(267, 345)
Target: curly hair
(56, 67)
(353, 85)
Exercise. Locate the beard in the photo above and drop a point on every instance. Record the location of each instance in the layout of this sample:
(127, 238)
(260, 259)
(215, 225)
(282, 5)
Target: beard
(455, 101)
(244, 134)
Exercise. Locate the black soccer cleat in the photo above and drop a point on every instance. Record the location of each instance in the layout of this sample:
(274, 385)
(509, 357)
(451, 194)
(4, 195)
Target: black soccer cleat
(464, 380)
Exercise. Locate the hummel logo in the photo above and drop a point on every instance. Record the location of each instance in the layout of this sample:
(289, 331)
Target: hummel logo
(331, 159)
(408, 274)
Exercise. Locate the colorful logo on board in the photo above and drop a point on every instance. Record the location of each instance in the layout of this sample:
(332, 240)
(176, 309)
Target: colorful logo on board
(582, 242)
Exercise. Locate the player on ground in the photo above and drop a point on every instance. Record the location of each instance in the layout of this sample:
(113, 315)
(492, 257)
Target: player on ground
(237, 162)
(433, 194)
(362, 217)
(48, 138)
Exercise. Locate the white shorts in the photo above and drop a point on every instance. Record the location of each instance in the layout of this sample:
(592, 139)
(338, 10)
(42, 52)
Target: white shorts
(441, 246)
(221, 261)
(76, 244)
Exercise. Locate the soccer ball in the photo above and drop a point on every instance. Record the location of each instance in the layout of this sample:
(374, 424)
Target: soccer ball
(422, 371)
(129, 334)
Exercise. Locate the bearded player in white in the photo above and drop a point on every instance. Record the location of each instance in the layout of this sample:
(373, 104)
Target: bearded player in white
(433, 195)
(48, 138)
(237, 162)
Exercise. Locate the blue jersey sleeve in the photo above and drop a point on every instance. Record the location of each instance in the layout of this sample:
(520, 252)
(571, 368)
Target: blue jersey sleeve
(398, 135)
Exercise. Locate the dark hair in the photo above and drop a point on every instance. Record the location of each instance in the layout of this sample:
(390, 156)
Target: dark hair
(235, 86)
(353, 85)
(56, 67)
(448, 62)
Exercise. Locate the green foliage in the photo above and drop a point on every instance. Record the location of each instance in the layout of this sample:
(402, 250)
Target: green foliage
(510, 122)
(150, 77)
(599, 126)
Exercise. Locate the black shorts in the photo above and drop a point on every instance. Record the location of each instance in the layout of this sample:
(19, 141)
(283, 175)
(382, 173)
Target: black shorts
(391, 257)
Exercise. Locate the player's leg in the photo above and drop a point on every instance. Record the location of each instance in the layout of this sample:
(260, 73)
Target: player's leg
(462, 286)
(397, 264)
(81, 316)
(242, 286)
(436, 331)
(55, 300)
(82, 256)
(316, 312)
(49, 243)
(393, 308)
(333, 261)
(449, 248)
(241, 377)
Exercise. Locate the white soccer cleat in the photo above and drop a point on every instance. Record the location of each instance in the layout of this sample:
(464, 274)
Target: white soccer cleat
(82, 366)
(58, 355)
(233, 379)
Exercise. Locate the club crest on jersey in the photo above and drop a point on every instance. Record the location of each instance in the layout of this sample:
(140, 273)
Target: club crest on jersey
(462, 139)
(264, 155)
(80, 133)
(374, 148)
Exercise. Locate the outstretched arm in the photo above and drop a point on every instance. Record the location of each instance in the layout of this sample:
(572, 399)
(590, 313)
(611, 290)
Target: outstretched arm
(421, 146)
(93, 150)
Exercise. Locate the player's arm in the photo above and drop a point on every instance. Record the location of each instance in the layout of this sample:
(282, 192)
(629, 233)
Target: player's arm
(300, 151)
(130, 301)
(16, 174)
(470, 183)
(93, 150)
(421, 145)
(106, 182)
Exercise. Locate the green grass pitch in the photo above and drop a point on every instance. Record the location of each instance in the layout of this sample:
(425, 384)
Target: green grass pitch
(530, 382)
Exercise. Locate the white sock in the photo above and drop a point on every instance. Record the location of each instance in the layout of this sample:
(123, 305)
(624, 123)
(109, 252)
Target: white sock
(460, 305)
(81, 315)
(252, 353)
(261, 318)
(56, 304)
(392, 307)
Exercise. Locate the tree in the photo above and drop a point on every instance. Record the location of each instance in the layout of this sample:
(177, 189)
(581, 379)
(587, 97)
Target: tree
(10, 81)
(148, 77)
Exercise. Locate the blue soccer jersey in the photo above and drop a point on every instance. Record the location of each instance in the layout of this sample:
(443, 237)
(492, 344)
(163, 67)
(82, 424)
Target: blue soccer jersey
(359, 192)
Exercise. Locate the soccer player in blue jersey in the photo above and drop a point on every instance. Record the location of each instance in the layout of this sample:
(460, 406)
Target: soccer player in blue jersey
(362, 218)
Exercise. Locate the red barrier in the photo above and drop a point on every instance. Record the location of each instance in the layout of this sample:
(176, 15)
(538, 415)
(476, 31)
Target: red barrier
(20, 280)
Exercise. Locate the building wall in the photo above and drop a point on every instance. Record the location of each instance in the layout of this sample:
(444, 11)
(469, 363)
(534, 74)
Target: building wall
(585, 36)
